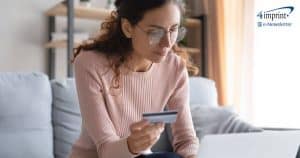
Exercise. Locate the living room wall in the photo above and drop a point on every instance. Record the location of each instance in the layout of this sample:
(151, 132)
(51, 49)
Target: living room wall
(23, 33)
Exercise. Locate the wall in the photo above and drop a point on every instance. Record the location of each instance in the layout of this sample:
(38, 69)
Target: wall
(23, 32)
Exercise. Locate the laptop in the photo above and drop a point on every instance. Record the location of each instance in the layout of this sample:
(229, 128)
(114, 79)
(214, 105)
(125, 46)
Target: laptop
(268, 144)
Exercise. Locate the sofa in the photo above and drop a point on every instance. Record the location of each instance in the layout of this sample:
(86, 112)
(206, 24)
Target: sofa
(40, 118)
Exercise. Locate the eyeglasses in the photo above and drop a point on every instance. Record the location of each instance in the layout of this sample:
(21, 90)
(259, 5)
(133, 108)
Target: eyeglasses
(156, 35)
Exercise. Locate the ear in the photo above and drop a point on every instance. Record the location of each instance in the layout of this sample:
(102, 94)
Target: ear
(126, 28)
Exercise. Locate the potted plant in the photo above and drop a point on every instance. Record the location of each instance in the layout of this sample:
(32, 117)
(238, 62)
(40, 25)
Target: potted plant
(85, 3)
(110, 5)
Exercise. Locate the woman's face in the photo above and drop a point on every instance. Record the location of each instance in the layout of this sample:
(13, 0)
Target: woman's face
(154, 36)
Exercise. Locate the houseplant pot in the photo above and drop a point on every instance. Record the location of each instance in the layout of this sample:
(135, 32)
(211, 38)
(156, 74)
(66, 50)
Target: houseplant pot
(85, 3)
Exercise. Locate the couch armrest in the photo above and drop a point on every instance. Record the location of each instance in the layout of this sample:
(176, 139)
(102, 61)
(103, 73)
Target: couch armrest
(279, 129)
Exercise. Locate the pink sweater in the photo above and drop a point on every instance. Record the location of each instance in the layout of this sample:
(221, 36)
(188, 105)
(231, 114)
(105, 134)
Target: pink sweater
(107, 113)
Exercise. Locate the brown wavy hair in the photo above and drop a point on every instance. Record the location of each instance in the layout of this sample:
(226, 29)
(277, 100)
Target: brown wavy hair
(112, 42)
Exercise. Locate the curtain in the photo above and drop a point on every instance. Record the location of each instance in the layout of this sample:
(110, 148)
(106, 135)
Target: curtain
(239, 43)
(216, 63)
(215, 51)
(229, 48)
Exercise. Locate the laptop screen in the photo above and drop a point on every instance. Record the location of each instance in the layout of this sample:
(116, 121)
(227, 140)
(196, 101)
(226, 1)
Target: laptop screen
(298, 153)
(268, 144)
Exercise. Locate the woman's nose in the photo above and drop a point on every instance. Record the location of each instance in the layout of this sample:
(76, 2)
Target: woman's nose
(166, 40)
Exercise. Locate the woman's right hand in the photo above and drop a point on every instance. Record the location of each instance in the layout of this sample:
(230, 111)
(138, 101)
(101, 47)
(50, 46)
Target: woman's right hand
(143, 135)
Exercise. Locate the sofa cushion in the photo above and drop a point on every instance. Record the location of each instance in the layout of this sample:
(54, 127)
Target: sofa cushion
(209, 120)
(202, 92)
(25, 116)
(66, 116)
(218, 120)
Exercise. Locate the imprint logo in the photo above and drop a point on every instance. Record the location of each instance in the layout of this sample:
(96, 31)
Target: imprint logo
(275, 17)
(278, 13)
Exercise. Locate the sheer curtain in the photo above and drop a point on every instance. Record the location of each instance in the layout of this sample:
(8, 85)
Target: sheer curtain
(239, 43)
(230, 47)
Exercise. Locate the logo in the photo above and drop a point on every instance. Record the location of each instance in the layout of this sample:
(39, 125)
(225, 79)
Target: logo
(275, 17)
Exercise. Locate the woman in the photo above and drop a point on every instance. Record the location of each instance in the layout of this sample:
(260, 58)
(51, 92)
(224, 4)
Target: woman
(132, 68)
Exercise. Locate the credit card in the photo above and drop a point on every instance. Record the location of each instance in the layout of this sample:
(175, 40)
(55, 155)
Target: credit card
(164, 117)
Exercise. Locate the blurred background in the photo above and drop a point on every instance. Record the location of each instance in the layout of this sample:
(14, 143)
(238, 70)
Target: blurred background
(250, 48)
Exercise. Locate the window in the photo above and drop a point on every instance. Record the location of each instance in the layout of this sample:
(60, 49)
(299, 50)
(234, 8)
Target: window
(276, 65)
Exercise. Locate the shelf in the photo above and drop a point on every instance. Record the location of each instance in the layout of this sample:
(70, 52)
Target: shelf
(59, 44)
(192, 50)
(63, 44)
(93, 13)
(192, 23)
(80, 12)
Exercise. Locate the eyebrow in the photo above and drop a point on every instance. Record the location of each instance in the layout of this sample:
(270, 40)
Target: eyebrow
(161, 27)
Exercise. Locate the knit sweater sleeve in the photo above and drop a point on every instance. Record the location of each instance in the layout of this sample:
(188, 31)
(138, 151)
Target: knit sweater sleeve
(185, 141)
(94, 113)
